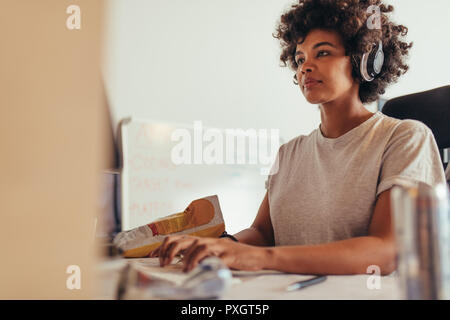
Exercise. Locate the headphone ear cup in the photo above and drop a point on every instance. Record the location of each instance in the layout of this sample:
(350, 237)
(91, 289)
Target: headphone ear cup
(378, 60)
(372, 62)
(363, 67)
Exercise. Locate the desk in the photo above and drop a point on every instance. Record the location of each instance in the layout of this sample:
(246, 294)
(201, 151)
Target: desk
(265, 285)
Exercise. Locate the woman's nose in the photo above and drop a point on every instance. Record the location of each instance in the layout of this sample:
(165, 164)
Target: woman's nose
(304, 70)
(306, 67)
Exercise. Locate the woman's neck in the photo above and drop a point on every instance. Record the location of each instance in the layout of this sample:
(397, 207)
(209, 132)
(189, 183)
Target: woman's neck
(342, 115)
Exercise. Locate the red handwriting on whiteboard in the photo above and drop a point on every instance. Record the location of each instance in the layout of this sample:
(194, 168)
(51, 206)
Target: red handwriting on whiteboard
(182, 184)
(151, 209)
(158, 184)
(149, 183)
(142, 135)
(140, 162)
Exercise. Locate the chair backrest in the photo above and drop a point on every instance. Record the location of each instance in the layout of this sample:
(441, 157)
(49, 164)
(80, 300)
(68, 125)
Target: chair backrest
(431, 107)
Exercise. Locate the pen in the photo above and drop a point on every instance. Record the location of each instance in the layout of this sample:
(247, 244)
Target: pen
(306, 283)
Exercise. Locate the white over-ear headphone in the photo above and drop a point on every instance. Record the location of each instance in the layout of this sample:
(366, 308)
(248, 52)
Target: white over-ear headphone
(371, 62)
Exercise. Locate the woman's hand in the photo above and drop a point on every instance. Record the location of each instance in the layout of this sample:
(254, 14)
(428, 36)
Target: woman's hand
(194, 249)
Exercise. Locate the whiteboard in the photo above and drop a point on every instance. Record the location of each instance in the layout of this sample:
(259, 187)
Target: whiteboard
(153, 186)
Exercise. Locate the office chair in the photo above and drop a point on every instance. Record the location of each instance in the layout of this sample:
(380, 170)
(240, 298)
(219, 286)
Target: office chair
(431, 107)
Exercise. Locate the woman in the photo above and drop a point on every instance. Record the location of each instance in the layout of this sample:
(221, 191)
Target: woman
(327, 207)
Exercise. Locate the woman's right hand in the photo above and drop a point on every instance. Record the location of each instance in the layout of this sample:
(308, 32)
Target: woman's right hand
(177, 244)
(235, 255)
(172, 246)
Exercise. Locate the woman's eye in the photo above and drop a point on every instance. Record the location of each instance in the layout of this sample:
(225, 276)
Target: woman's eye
(319, 54)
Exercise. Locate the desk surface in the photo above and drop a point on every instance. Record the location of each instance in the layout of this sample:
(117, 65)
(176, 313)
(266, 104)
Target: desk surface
(265, 285)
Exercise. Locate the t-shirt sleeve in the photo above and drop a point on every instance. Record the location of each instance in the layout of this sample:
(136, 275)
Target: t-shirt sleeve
(411, 156)
(274, 168)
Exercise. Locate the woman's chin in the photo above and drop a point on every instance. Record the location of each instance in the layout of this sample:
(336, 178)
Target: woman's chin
(314, 99)
(313, 96)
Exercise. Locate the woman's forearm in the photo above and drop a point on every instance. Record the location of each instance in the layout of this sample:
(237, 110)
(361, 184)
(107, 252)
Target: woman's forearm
(351, 256)
(252, 236)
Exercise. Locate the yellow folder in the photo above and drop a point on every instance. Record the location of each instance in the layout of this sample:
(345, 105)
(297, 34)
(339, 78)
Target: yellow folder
(202, 218)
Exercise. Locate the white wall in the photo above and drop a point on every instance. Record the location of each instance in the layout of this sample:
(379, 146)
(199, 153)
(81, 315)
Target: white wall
(216, 61)
(428, 28)
(208, 60)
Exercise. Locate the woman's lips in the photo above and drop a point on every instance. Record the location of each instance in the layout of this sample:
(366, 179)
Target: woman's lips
(311, 83)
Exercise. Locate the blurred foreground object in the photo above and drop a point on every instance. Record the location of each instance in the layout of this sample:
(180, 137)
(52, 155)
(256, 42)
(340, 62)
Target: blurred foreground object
(210, 279)
(422, 231)
(52, 122)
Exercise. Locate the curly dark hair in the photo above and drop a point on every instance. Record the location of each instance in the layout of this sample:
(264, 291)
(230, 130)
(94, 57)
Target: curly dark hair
(348, 18)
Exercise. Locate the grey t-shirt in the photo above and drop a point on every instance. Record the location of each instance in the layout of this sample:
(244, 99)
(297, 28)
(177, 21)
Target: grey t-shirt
(325, 189)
